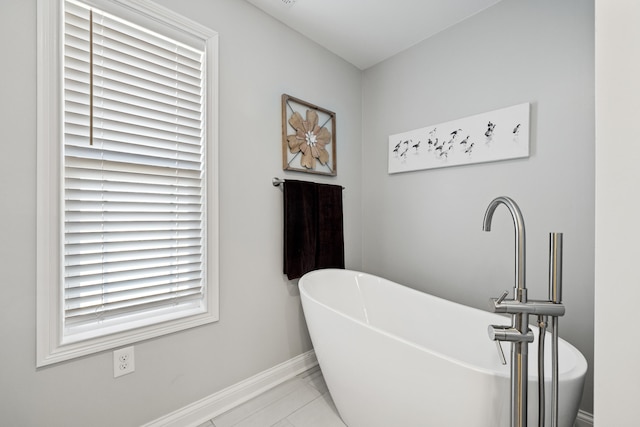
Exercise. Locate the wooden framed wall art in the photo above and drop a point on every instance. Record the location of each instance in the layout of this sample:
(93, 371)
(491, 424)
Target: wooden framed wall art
(308, 137)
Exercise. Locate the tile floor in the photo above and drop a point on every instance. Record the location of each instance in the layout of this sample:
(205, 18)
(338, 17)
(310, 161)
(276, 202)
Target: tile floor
(303, 401)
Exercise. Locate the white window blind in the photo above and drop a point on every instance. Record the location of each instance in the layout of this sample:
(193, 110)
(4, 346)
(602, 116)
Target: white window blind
(134, 176)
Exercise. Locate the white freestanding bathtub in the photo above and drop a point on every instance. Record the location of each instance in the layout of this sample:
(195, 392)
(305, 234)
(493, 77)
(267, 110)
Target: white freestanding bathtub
(394, 356)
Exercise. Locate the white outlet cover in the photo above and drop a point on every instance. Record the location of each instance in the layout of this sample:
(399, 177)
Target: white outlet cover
(123, 362)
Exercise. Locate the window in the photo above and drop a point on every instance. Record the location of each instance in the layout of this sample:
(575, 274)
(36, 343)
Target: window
(127, 176)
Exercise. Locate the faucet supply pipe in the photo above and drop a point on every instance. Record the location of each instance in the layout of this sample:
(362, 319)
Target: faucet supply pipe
(555, 296)
(542, 325)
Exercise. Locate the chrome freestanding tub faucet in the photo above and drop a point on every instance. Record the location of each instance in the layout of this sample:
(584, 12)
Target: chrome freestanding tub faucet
(519, 333)
(520, 308)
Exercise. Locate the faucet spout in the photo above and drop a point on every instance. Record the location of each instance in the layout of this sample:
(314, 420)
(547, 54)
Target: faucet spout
(520, 292)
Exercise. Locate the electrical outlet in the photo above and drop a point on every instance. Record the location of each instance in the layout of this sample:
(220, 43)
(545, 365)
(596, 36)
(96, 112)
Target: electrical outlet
(123, 362)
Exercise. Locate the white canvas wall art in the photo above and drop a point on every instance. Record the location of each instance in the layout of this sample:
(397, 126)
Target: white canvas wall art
(487, 137)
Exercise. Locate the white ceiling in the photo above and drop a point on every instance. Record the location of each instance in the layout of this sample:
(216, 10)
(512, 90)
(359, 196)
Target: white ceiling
(365, 32)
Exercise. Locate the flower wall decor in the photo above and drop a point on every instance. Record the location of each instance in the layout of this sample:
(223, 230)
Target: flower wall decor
(308, 137)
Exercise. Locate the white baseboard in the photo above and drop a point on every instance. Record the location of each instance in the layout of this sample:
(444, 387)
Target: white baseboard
(211, 406)
(584, 419)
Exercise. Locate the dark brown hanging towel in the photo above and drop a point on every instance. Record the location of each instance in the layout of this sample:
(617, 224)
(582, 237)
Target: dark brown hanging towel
(330, 250)
(313, 227)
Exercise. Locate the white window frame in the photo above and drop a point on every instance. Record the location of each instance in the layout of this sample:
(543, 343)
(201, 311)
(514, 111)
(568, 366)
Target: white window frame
(51, 344)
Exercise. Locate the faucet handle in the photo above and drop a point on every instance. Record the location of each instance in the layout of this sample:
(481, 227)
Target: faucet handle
(502, 297)
(501, 353)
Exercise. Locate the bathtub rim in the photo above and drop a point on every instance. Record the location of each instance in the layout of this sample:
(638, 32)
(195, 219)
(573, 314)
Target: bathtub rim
(577, 371)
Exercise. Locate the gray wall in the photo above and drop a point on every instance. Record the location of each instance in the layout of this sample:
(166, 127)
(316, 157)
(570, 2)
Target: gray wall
(424, 228)
(539, 52)
(261, 321)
